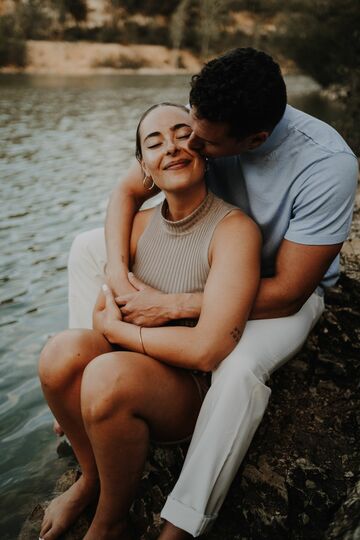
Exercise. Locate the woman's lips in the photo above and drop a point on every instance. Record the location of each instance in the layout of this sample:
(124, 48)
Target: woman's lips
(180, 164)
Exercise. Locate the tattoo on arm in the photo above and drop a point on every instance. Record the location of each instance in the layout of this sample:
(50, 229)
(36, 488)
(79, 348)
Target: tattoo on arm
(236, 334)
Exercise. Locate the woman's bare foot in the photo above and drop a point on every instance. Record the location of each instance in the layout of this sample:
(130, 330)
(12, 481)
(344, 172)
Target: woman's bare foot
(63, 511)
(57, 428)
(170, 532)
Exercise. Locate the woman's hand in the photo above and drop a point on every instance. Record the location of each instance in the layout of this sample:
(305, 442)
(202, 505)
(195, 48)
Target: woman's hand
(106, 312)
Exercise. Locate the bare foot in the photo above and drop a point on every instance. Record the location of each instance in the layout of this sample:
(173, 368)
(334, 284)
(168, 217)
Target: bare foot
(170, 532)
(58, 429)
(107, 531)
(63, 511)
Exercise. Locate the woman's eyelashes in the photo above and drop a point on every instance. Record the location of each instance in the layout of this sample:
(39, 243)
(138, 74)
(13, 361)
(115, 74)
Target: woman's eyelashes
(179, 137)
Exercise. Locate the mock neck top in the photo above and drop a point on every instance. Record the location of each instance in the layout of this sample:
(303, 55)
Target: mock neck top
(172, 256)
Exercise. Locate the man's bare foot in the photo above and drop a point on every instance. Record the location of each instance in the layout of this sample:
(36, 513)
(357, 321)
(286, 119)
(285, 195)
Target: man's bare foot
(63, 511)
(170, 532)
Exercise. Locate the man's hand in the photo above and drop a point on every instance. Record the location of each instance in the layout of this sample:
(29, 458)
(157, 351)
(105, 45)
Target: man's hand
(144, 307)
(105, 311)
(118, 281)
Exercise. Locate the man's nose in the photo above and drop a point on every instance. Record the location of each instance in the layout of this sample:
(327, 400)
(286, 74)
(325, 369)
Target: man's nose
(195, 143)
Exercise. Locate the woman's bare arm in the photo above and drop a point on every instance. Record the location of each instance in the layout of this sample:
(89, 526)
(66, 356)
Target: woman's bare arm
(228, 296)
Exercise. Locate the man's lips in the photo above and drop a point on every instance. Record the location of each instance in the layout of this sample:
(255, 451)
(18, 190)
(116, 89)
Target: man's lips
(178, 164)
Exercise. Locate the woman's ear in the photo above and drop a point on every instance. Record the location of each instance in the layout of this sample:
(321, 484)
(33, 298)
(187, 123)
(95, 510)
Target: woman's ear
(148, 182)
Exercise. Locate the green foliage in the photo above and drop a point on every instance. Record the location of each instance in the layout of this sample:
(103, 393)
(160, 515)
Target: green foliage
(324, 40)
(76, 8)
(323, 37)
(32, 19)
(147, 7)
(12, 43)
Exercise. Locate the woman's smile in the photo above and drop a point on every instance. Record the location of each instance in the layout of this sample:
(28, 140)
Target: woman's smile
(177, 164)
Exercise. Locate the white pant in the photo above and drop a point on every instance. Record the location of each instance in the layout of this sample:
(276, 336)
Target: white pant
(234, 405)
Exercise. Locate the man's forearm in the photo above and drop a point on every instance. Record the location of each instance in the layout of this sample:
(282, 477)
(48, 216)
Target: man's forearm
(120, 214)
(185, 305)
(273, 300)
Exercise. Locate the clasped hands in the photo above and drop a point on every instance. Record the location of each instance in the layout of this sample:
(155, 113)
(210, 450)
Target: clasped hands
(142, 307)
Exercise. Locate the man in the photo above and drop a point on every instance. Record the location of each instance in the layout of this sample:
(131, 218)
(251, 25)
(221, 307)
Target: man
(296, 177)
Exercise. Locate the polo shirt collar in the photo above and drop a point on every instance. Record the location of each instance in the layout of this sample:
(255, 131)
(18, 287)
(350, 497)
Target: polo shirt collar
(279, 133)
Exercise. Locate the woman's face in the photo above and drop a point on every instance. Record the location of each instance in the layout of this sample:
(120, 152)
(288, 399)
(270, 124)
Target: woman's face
(166, 157)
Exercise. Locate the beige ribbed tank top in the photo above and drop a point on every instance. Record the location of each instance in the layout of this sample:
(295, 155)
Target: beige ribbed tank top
(172, 256)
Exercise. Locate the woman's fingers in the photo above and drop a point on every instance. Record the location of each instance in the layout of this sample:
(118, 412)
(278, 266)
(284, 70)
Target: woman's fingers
(110, 304)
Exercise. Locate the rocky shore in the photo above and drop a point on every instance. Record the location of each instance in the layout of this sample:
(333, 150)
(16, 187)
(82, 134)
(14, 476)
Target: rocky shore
(300, 479)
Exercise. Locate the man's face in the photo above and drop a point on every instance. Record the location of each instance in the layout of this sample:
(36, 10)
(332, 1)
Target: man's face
(211, 139)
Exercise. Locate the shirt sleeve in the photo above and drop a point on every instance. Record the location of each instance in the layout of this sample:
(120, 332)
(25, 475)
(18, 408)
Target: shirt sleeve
(322, 210)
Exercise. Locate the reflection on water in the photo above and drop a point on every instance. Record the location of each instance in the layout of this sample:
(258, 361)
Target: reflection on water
(65, 142)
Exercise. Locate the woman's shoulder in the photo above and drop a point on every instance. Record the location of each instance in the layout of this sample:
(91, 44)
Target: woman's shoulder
(234, 217)
(236, 228)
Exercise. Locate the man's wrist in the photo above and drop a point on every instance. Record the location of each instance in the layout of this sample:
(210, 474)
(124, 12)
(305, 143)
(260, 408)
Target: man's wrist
(186, 306)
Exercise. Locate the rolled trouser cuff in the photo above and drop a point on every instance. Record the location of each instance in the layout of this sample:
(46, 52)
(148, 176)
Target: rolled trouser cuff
(187, 518)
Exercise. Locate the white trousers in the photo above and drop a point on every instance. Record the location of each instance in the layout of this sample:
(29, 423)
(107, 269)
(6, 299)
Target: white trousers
(234, 404)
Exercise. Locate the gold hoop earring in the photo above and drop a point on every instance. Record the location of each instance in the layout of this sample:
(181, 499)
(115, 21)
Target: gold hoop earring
(146, 179)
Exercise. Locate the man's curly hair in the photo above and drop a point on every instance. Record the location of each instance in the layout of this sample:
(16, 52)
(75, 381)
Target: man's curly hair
(243, 88)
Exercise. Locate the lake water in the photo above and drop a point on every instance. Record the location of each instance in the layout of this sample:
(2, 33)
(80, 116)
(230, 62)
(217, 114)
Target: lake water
(64, 143)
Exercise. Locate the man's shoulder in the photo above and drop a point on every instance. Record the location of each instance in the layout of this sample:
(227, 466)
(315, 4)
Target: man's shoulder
(311, 133)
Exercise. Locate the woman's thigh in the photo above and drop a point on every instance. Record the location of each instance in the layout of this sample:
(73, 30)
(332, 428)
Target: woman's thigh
(167, 398)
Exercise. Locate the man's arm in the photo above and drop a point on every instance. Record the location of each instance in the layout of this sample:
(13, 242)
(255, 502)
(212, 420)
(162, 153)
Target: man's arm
(299, 270)
(125, 201)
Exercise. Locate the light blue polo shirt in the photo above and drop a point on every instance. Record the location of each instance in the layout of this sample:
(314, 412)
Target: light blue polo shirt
(299, 185)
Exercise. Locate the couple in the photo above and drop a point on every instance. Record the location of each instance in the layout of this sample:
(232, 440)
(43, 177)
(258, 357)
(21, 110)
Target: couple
(143, 371)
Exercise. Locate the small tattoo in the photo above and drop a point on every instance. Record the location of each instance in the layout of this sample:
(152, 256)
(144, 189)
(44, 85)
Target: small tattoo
(235, 334)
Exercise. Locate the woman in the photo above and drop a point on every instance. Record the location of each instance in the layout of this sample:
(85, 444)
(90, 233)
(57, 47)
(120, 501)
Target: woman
(112, 388)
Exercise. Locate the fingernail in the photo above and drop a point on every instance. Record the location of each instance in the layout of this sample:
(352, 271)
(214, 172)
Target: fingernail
(105, 288)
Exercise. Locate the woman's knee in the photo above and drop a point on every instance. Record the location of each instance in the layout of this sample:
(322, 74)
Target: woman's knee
(111, 385)
(62, 358)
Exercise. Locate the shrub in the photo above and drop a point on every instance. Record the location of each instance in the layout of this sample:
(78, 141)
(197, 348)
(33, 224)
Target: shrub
(12, 43)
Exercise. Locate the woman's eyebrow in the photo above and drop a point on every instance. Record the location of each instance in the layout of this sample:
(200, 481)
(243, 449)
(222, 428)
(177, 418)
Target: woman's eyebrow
(173, 128)
(154, 134)
(178, 126)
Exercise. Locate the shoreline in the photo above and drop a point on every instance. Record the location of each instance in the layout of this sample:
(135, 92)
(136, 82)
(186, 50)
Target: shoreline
(76, 58)
(93, 58)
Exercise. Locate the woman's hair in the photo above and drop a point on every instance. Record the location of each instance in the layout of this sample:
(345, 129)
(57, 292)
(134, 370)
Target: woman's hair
(138, 151)
(243, 88)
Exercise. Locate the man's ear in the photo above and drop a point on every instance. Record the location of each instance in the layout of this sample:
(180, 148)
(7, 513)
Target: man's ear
(257, 139)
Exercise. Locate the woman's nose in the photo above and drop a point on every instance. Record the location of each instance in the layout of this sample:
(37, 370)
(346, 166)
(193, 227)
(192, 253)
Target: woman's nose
(171, 147)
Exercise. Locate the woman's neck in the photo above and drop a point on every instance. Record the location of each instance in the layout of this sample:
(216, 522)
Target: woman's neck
(182, 204)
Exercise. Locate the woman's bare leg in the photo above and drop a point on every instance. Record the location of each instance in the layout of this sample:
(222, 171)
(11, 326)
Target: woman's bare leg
(61, 367)
(125, 397)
